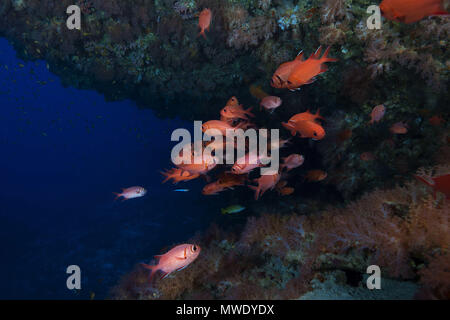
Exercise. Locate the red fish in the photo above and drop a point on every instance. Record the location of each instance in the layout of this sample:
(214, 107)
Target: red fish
(367, 156)
(285, 191)
(175, 259)
(225, 181)
(306, 129)
(306, 116)
(399, 128)
(233, 101)
(281, 75)
(292, 161)
(246, 164)
(235, 112)
(199, 168)
(222, 126)
(377, 113)
(265, 182)
(306, 72)
(178, 175)
(409, 11)
(270, 103)
(436, 121)
(213, 188)
(204, 21)
(131, 193)
(439, 184)
(315, 175)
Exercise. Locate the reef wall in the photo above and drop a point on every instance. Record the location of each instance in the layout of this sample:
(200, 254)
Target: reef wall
(150, 52)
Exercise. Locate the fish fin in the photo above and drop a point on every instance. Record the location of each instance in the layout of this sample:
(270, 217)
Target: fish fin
(299, 56)
(118, 195)
(440, 13)
(222, 211)
(157, 256)
(323, 68)
(181, 268)
(325, 57)
(316, 54)
(152, 270)
(318, 116)
(310, 81)
(202, 33)
(248, 112)
(147, 266)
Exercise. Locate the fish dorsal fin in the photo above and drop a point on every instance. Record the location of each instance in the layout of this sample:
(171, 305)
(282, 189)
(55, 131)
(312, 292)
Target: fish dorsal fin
(299, 57)
(316, 54)
(158, 256)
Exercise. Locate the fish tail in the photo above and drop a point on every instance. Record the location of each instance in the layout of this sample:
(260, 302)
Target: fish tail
(318, 115)
(118, 195)
(223, 211)
(151, 268)
(202, 33)
(316, 54)
(248, 112)
(325, 56)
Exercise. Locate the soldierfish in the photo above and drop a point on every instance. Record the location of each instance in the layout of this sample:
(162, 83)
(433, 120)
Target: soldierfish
(377, 113)
(409, 11)
(292, 161)
(131, 193)
(265, 182)
(222, 126)
(270, 103)
(246, 163)
(306, 72)
(204, 21)
(306, 129)
(399, 128)
(177, 175)
(307, 115)
(315, 175)
(175, 259)
(281, 75)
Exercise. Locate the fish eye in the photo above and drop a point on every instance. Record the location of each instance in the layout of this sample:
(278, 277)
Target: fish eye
(194, 248)
(315, 134)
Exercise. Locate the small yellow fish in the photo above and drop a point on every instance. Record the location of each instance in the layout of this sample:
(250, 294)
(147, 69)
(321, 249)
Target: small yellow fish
(92, 295)
(232, 209)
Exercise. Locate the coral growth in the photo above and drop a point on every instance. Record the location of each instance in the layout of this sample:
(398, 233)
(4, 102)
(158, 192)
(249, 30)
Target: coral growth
(403, 230)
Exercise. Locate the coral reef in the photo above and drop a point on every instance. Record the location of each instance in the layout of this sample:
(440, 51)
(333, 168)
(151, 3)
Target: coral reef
(404, 230)
(149, 51)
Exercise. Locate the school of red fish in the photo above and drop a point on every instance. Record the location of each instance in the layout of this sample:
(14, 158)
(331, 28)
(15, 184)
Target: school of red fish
(290, 75)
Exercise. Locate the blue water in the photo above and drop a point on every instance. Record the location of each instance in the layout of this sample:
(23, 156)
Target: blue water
(63, 152)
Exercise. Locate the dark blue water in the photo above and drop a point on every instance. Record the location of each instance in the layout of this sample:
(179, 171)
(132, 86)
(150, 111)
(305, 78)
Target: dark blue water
(63, 152)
